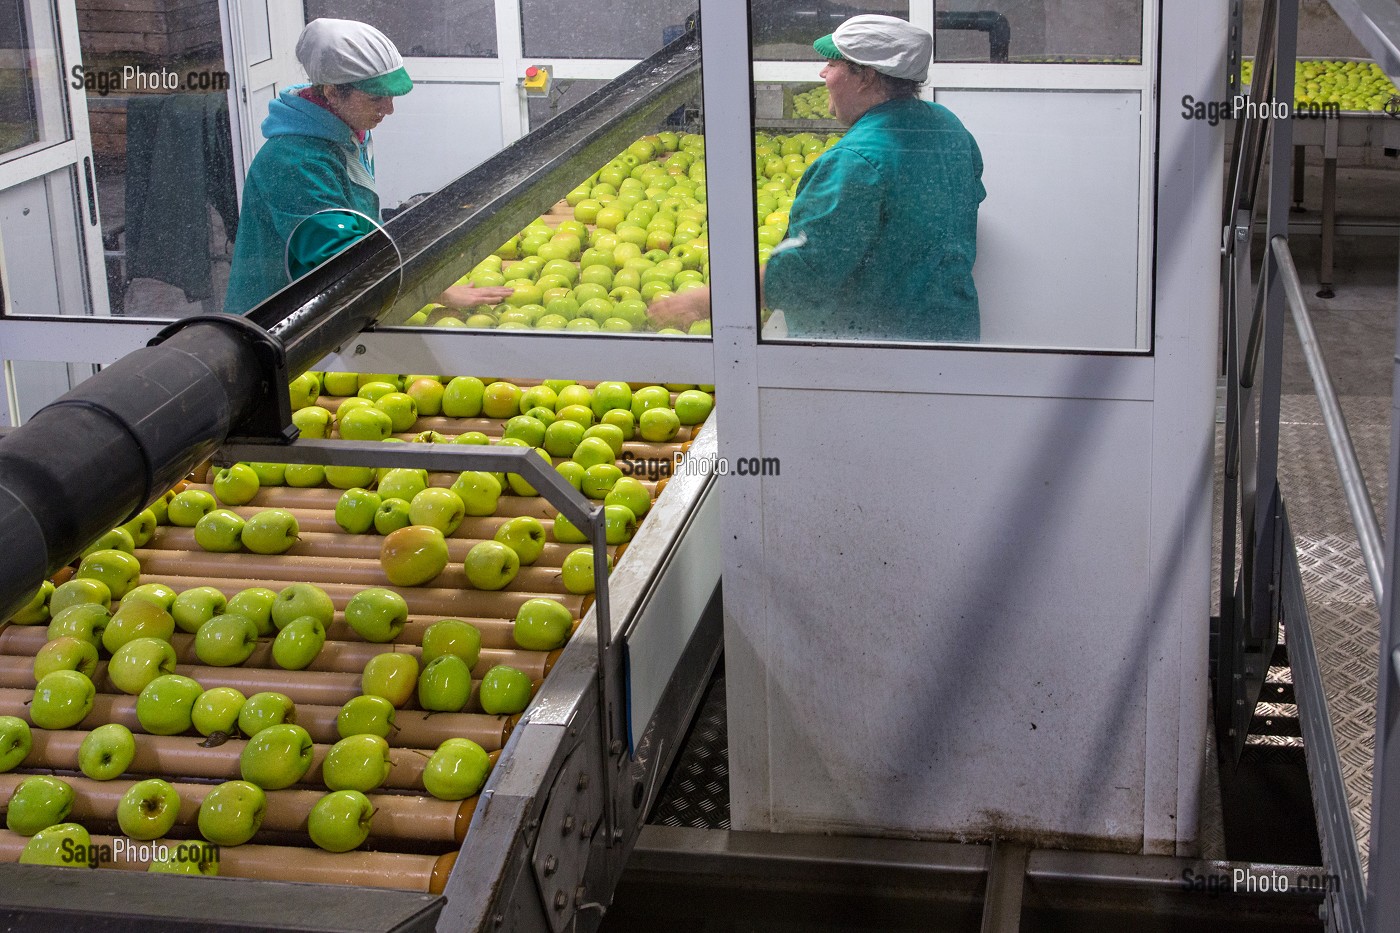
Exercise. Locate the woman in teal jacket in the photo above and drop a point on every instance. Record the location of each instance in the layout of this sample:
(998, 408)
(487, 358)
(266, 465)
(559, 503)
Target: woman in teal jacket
(319, 156)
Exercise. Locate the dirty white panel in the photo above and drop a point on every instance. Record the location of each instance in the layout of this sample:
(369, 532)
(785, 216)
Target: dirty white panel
(973, 660)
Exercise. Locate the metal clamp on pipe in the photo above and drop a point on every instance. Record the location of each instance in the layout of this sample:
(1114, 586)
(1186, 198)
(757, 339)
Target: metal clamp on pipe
(269, 415)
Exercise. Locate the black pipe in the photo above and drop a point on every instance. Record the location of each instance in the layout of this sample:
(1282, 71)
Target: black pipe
(101, 453)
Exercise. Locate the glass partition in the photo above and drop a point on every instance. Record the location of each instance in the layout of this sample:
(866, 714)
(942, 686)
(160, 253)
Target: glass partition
(434, 29)
(978, 208)
(623, 29)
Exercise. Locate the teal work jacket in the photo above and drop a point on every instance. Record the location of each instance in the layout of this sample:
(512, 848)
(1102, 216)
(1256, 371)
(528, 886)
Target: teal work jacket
(882, 233)
(310, 162)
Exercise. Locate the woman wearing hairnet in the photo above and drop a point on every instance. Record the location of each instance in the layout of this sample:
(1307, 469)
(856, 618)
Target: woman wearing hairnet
(319, 155)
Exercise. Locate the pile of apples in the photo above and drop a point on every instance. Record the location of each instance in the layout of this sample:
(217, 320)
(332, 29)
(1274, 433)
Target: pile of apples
(813, 104)
(633, 232)
(1353, 86)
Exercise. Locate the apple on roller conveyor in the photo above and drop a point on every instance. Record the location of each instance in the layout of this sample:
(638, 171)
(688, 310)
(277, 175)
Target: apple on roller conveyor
(336, 585)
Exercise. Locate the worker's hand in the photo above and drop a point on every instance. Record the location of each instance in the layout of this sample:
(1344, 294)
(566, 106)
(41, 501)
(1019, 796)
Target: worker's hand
(467, 296)
(680, 310)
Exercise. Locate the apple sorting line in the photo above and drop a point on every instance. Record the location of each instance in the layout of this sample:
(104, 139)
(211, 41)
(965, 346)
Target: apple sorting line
(414, 836)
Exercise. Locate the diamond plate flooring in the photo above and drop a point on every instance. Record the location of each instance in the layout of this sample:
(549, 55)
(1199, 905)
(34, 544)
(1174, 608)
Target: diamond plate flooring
(696, 793)
(1341, 609)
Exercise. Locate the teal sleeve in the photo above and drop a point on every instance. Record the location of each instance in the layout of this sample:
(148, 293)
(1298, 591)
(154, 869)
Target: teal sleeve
(833, 222)
(294, 191)
(321, 236)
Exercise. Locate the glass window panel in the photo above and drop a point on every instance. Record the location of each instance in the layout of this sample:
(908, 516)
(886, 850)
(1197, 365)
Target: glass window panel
(562, 96)
(607, 29)
(423, 29)
(257, 32)
(1100, 31)
(40, 241)
(783, 30)
(32, 107)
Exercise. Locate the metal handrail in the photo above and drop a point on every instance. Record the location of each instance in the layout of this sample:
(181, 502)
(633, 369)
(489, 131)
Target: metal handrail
(1363, 515)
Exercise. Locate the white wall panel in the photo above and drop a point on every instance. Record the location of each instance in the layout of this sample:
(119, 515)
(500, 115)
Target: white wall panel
(434, 135)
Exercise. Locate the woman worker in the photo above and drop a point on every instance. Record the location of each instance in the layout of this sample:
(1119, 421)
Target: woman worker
(319, 155)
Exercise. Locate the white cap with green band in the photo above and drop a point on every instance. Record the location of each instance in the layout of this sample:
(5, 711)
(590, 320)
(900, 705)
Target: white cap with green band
(889, 45)
(343, 51)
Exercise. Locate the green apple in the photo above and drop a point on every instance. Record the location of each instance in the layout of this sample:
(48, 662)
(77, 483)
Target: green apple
(134, 620)
(118, 569)
(313, 422)
(572, 473)
(402, 483)
(629, 491)
(66, 845)
(593, 451)
(38, 803)
(365, 714)
(226, 640)
(166, 704)
(472, 437)
(392, 515)
(624, 421)
(86, 621)
(238, 484)
(578, 571)
(305, 475)
(401, 409)
(142, 528)
(231, 813)
(377, 389)
(438, 507)
(658, 425)
(526, 428)
(427, 393)
(518, 485)
(694, 406)
(269, 474)
(349, 405)
(505, 691)
(65, 654)
(463, 397)
(562, 437)
(185, 859)
(340, 821)
(36, 609)
(341, 384)
(566, 532)
(491, 565)
(414, 555)
(454, 637)
(599, 479)
(271, 531)
(376, 614)
(391, 675)
(542, 625)
(445, 684)
(254, 603)
(540, 396)
(155, 593)
(478, 492)
(276, 757)
(61, 700)
(189, 506)
(15, 742)
(610, 434)
(525, 535)
(297, 645)
(107, 751)
(304, 390)
(349, 477)
(148, 809)
(140, 661)
(195, 606)
(355, 510)
(360, 762)
(118, 539)
(431, 437)
(608, 396)
(580, 414)
(365, 423)
(574, 394)
(264, 710)
(649, 398)
(558, 385)
(500, 400)
(457, 770)
(302, 599)
(217, 710)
